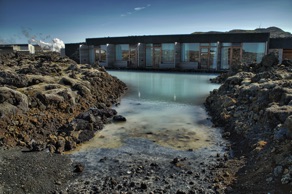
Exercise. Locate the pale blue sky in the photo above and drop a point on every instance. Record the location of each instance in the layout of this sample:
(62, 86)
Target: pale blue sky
(73, 21)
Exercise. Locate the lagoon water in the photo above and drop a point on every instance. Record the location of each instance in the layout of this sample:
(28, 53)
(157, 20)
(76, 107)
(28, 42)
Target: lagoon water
(163, 108)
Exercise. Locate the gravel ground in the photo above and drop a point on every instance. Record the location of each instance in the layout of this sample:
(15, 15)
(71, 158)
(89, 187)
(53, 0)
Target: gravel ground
(141, 166)
(33, 172)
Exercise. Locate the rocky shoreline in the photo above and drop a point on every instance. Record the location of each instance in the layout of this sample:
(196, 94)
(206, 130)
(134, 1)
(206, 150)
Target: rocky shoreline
(254, 107)
(50, 102)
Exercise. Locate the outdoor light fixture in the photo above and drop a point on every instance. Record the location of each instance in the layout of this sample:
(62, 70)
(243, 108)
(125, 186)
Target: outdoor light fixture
(107, 44)
(175, 43)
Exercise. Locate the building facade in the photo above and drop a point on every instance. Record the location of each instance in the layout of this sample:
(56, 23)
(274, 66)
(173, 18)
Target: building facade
(281, 47)
(216, 51)
(25, 48)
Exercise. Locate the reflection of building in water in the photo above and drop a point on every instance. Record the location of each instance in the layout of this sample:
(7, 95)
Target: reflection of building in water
(216, 51)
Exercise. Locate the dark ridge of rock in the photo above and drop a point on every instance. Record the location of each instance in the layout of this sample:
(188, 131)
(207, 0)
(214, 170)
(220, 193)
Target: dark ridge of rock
(49, 101)
(254, 106)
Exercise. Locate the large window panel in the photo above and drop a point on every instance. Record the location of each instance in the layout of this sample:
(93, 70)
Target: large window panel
(225, 57)
(253, 52)
(168, 53)
(213, 57)
(101, 53)
(190, 52)
(122, 52)
(149, 55)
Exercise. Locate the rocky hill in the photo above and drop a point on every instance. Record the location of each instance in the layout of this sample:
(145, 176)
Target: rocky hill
(48, 101)
(275, 32)
(254, 107)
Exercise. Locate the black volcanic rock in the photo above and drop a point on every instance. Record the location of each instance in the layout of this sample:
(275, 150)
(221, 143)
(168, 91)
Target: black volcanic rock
(255, 108)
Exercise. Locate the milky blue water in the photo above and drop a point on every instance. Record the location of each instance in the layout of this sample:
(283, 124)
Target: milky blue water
(173, 88)
(165, 108)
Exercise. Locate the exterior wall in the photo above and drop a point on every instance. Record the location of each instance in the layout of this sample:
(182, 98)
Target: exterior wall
(188, 65)
(83, 54)
(177, 54)
(62, 52)
(72, 51)
(91, 54)
(6, 49)
(245, 52)
(287, 54)
(31, 49)
(219, 55)
(166, 66)
(122, 64)
(205, 55)
(24, 48)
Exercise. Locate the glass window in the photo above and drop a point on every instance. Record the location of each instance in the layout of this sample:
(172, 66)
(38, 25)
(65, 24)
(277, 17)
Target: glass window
(168, 53)
(226, 44)
(122, 52)
(190, 52)
(253, 52)
(204, 50)
(225, 57)
(133, 57)
(149, 54)
(213, 57)
(100, 53)
(231, 44)
(205, 44)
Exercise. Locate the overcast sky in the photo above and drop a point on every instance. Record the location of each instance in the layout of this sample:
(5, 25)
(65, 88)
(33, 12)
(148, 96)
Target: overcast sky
(73, 21)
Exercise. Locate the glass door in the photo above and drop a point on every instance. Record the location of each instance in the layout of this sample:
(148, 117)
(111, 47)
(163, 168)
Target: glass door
(157, 56)
(204, 59)
(133, 59)
(235, 56)
(230, 56)
(149, 55)
(213, 58)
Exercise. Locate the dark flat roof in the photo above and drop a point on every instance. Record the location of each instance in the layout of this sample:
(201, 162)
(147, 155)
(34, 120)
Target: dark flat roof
(284, 43)
(182, 38)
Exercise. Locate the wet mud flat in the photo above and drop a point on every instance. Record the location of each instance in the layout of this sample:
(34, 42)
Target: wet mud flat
(142, 166)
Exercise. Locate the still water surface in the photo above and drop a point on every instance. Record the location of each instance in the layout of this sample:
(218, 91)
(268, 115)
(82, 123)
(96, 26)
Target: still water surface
(165, 108)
